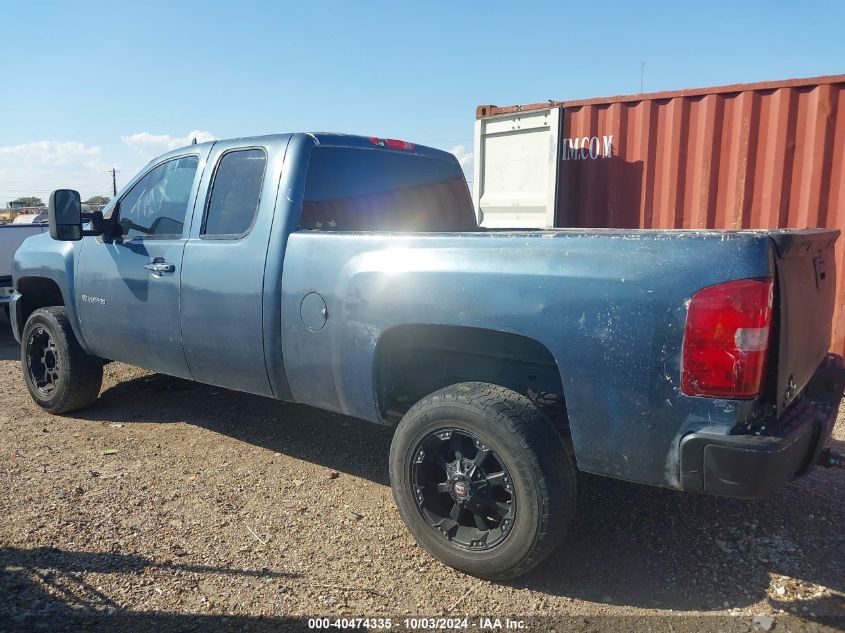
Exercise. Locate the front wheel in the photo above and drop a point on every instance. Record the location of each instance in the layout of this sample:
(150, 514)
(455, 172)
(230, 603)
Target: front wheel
(60, 375)
(482, 479)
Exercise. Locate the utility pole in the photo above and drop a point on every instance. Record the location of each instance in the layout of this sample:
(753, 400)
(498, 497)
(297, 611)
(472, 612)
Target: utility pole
(114, 181)
(642, 74)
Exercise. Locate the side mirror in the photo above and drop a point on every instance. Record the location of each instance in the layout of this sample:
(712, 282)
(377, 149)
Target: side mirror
(64, 214)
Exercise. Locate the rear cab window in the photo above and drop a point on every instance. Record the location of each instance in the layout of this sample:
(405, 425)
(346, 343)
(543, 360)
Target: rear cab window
(355, 189)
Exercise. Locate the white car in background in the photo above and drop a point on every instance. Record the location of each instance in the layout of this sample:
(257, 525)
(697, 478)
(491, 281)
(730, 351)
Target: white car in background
(31, 218)
(11, 236)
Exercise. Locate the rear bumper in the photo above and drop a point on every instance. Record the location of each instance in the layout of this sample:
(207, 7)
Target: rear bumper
(753, 466)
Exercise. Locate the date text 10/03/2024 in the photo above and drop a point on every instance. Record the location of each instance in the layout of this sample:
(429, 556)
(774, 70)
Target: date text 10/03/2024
(482, 623)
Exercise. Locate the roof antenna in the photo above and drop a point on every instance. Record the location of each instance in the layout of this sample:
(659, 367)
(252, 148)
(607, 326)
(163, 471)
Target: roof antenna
(194, 142)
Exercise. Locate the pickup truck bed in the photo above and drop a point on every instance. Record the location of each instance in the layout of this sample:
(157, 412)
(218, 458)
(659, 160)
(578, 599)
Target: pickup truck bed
(350, 274)
(607, 308)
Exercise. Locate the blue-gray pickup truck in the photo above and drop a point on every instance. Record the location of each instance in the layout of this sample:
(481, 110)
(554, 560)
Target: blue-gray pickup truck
(350, 274)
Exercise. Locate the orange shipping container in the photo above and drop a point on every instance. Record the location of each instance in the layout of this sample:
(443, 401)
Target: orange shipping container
(765, 155)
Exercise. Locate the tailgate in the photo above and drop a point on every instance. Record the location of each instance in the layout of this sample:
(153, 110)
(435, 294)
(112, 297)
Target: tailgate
(806, 277)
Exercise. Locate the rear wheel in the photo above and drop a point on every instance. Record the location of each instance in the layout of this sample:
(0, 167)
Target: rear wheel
(482, 479)
(60, 376)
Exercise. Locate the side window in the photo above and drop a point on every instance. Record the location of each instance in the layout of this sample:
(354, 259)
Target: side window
(156, 206)
(235, 193)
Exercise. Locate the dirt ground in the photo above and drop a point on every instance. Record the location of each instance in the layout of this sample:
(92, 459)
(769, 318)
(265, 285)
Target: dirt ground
(175, 506)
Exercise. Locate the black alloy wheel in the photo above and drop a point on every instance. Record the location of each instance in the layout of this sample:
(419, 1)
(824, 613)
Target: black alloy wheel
(482, 479)
(463, 489)
(60, 376)
(42, 361)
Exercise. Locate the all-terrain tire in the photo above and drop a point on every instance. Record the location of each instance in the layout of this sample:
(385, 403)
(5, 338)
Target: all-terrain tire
(526, 444)
(77, 376)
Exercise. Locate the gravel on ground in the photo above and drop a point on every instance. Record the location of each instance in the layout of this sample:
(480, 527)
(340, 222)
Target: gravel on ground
(170, 505)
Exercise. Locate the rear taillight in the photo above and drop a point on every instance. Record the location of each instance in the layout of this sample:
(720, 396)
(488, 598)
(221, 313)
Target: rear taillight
(726, 340)
(392, 143)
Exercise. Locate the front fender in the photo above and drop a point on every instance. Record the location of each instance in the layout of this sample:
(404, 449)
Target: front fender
(41, 257)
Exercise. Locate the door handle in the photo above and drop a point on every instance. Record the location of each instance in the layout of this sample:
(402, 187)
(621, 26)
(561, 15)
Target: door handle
(159, 267)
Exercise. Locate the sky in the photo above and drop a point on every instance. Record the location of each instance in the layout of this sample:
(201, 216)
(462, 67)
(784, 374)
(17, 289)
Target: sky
(85, 86)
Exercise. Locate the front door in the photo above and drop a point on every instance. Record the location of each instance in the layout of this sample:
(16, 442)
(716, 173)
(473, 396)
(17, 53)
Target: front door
(129, 287)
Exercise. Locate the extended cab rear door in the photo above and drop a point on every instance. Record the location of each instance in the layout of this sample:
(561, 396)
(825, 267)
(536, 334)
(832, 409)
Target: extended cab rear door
(223, 274)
